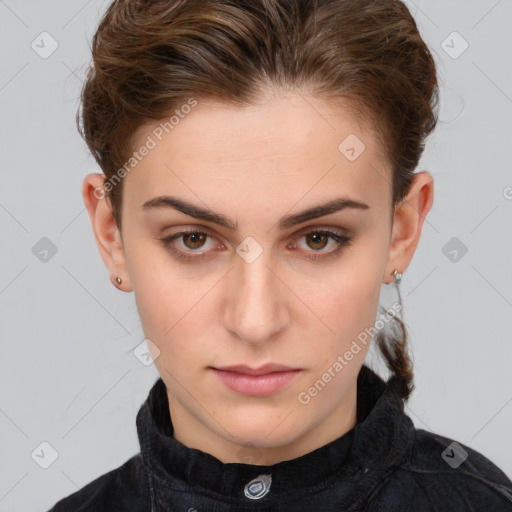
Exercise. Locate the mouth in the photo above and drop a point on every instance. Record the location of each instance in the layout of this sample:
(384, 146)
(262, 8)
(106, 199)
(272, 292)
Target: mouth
(262, 370)
(263, 381)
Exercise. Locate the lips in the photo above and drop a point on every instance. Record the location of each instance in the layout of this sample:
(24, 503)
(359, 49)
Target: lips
(263, 381)
(262, 370)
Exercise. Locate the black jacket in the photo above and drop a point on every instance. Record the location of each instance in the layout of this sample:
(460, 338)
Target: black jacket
(383, 464)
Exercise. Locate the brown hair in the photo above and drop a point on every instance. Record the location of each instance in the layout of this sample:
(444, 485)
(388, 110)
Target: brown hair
(152, 56)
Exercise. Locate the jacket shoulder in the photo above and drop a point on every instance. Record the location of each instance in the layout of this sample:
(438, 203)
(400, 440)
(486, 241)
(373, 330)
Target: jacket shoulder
(443, 474)
(123, 488)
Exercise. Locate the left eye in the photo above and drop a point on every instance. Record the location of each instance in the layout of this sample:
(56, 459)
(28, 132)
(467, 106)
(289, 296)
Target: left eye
(194, 240)
(319, 239)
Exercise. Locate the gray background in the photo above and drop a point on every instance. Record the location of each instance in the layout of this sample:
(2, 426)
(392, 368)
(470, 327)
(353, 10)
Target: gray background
(68, 373)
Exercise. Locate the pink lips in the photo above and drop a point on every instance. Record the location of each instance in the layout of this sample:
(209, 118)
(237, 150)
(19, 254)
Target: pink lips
(262, 381)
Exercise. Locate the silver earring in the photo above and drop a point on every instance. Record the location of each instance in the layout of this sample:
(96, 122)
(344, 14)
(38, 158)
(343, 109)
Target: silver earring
(398, 276)
(119, 280)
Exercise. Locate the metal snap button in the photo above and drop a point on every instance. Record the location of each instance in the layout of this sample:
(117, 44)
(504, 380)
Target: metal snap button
(258, 487)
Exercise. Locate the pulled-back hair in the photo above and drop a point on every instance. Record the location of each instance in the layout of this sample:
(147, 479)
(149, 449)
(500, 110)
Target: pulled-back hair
(150, 57)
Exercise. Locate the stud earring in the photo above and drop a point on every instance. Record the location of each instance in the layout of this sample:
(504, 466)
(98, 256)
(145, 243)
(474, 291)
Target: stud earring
(398, 276)
(119, 280)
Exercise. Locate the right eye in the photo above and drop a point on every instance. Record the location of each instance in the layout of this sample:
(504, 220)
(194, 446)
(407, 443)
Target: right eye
(191, 241)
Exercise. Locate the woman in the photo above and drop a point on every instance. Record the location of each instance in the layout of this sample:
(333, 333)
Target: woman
(258, 190)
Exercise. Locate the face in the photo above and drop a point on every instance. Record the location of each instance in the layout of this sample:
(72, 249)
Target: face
(257, 280)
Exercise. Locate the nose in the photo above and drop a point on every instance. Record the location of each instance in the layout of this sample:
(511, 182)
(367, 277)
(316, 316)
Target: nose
(256, 308)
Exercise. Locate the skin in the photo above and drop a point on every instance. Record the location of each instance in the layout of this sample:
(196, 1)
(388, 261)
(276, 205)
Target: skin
(255, 165)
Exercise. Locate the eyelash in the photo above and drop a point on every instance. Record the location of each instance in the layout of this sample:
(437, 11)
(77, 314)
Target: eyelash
(341, 240)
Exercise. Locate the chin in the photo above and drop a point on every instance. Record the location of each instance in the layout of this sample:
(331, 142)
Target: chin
(262, 431)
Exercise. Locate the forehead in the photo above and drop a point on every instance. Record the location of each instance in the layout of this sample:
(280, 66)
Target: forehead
(284, 147)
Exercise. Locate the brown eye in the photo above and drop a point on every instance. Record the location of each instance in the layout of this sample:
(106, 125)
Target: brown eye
(196, 240)
(186, 243)
(318, 240)
(315, 241)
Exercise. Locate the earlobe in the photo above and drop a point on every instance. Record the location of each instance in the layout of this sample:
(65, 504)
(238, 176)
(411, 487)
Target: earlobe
(408, 222)
(106, 232)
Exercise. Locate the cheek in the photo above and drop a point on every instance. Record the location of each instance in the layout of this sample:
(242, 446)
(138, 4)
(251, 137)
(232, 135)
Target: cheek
(346, 312)
(174, 309)
(161, 293)
(170, 309)
(350, 291)
(346, 301)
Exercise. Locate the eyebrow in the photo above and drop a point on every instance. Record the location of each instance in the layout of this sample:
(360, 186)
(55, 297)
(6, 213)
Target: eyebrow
(285, 222)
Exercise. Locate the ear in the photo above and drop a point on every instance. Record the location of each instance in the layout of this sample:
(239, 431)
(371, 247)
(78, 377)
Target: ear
(108, 237)
(408, 222)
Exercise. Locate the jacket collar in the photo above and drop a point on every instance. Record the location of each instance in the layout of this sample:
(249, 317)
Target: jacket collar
(382, 438)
